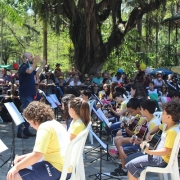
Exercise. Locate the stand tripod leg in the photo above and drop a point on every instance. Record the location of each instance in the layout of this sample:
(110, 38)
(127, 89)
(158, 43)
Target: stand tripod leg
(92, 149)
(5, 162)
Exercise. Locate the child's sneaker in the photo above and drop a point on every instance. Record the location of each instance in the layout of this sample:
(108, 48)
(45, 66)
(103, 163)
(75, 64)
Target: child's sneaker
(113, 152)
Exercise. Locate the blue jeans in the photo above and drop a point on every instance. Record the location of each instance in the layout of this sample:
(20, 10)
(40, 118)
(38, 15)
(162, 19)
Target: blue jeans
(25, 102)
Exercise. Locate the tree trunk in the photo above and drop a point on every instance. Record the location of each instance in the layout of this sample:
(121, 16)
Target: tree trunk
(86, 18)
(45, 55)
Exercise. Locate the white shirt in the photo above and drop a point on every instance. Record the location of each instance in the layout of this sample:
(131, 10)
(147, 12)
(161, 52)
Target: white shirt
(114, 79)
(72, 83)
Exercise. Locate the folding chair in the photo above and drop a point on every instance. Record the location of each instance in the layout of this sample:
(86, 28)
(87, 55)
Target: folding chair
(74, 157)
(172, 166)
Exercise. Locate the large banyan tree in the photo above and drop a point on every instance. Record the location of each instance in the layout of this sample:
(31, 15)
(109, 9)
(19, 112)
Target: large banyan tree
(85, 19)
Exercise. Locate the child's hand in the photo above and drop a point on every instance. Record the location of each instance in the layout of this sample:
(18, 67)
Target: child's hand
(144, 147)
(148, 137)
(131, 139)
(138, 141)
(138, 128)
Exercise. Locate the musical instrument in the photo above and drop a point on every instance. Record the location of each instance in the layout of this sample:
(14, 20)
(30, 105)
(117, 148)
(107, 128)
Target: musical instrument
(155, 140)
(142, 131)
(131, 126)
(153, 143)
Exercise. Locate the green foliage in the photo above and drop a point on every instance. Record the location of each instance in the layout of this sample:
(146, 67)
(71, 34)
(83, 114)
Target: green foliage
(142, 47)
(11, 13)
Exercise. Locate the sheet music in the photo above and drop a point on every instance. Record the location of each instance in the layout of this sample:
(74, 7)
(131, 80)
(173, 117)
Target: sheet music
(97, 113)
(15, 114)
(99, 140)
(3, 147)
(55, 99)
(104, 118)
(98, 99)
(44, 94)
(53, 105)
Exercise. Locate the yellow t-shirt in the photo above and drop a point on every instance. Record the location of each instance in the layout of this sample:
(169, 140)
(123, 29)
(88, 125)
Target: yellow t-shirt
(123, 105)
(76, 127)
(52, 140)
(153, 123)
(167, 139)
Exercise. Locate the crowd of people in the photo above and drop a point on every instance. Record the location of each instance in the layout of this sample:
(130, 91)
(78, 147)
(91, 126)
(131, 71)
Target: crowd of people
(129, 103)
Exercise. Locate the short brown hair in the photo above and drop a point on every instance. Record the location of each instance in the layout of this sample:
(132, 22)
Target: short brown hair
(38, 112)
(173, 108)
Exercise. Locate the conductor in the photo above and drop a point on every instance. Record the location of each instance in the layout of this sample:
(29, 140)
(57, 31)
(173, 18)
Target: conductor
(27, 75)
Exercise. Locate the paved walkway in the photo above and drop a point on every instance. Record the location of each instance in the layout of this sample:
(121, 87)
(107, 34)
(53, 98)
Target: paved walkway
(25, 146)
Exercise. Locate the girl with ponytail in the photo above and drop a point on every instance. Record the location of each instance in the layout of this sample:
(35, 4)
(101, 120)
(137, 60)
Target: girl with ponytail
(80, 113)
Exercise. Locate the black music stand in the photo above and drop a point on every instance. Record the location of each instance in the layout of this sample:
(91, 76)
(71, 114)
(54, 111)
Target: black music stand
(102, 148)
(17, 119)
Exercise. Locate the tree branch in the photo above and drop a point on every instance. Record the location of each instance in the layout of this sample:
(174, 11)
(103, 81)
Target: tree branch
(138, 12)
(15, 35)
(117, 35)
(116, 11)
(70, 8)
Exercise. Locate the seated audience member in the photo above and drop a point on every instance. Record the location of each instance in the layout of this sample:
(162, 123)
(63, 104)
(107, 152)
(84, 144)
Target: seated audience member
(104, 94)
(105, 81)
(98, 79)
(95, 89)
(128, 146)
(48, 84)
(164, 91)
(4, 82)
(61, 83)
(86, 84)
(43, 75)
(65, 115)
(161, 155)
(80, 113)
(117, 78)
(39, 94)
(75, 81)
(158, 81)
(113, 86)
(153, 94)
(47, 158)
(137, 91)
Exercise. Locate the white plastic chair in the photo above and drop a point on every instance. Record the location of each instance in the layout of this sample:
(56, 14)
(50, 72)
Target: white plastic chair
(91, 104)
(172, 166)
(158, 114)
(74, 157)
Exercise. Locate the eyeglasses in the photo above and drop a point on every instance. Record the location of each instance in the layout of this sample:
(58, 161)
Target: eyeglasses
(95, 86)
(87, 80)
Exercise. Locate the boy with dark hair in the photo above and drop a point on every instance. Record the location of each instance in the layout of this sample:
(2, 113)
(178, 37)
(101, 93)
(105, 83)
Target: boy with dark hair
(147, 108)
(159, 157)
(119, 99)
(117, 130)
(149, 105)
(86, 94)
